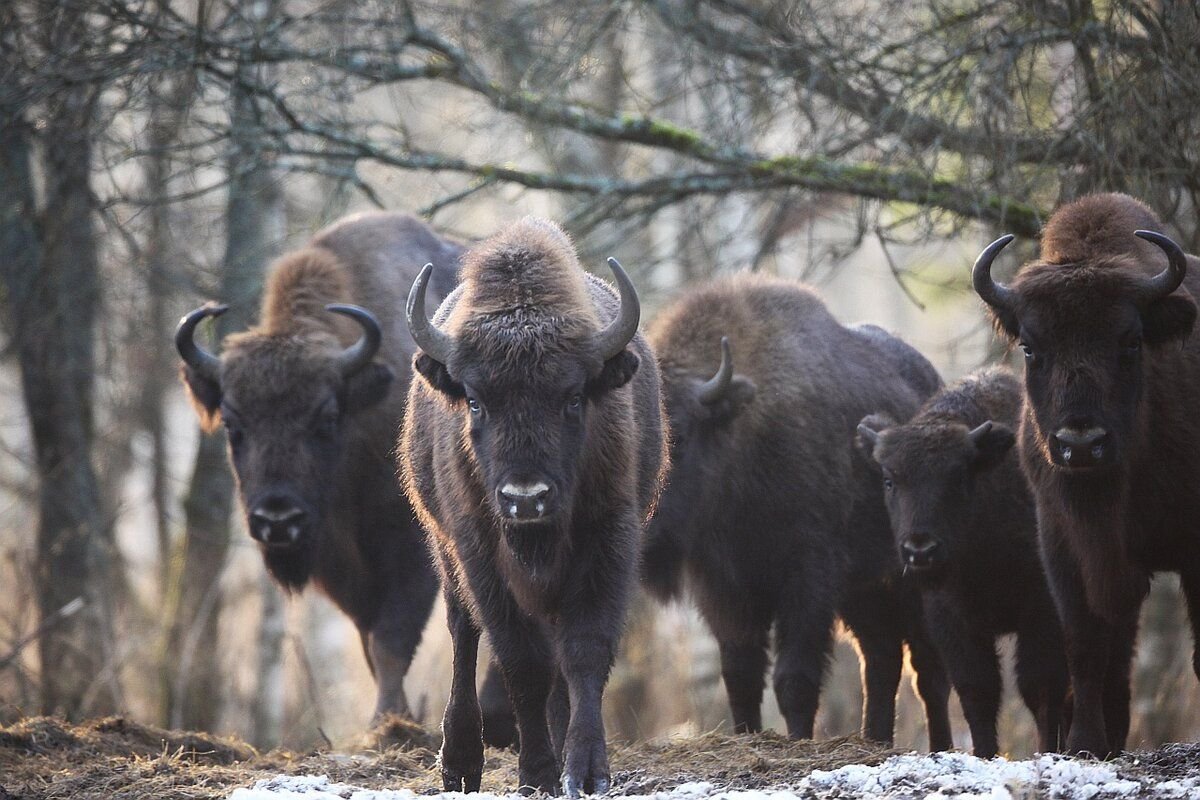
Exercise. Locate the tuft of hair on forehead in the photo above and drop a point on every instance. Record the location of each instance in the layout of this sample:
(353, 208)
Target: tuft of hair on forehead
(530, 266)
(1099, 226)
(299, 286)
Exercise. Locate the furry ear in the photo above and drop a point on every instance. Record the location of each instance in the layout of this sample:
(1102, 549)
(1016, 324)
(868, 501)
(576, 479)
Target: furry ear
(741, 393)
(992, 442)
(868, 432)
(617, 372)
(1168, 318)
(436, 375)
(205, 395)
(367, 387)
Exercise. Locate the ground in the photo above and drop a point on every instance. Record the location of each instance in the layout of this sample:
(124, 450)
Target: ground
(119, 759)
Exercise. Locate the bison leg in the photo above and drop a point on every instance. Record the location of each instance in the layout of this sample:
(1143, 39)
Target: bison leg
(933, 687)
(1116, 684)
(499, 724)
(744, 668)
(969, 654)
(558, 713)
(803, 633)
(1190, 582)
(881, 653)
(462, 725)
(392, 639)
(1042, 675)
(525, 659)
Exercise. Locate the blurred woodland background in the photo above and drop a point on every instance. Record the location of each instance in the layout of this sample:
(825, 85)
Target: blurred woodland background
(158, 153)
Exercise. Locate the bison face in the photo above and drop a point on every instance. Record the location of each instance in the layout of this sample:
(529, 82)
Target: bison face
(1083, 329)
(929, 474)
(700, 413)
(285, 402)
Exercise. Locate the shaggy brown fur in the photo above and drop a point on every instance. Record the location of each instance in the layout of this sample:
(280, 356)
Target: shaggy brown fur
(525, 399)
(1099, 359)
(307, 440)
(770, 514)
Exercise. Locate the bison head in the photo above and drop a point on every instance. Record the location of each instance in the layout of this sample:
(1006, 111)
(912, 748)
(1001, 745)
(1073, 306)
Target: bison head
(1084, 328)
(284, 401)
(929, 476)
(525, 379)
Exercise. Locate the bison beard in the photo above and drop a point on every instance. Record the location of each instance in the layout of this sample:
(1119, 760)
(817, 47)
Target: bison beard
(533, 451)
(1109, 439)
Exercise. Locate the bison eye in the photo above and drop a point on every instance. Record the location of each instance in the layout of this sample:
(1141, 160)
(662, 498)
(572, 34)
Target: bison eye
(1028, 351)
(1131, 347)
(575, 401)
(473, 404)
(888, 484)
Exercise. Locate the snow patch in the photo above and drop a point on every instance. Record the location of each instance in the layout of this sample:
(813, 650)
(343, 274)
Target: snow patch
(936, 776)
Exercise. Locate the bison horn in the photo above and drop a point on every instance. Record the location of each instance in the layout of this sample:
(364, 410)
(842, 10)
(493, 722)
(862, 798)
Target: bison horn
(200, 360)
(994, 294)
(620, 331)
(977, 434)
(359, 354)
(1169, 279)
(716, 387)
(868, 433)
(436, 344)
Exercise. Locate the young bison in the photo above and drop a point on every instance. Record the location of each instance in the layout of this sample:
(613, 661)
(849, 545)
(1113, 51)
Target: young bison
(770, 512)
(533, 452)
(310, 414)
(1109, 434)
(964, 525)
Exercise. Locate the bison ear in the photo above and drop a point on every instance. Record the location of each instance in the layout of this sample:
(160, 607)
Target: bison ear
(868, 434)
(367, 387)
(992, 442)
(615, 373)
(205, 394)
(1168, 318)
(741, 393)
(436, 375)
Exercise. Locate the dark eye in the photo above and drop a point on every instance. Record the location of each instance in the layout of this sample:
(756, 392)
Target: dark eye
(1131, 347)
(574, 402)
(473, 404)
(1027, 350)
(888, 484)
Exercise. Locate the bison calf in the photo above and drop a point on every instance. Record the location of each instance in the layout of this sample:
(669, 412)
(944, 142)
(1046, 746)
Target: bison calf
(770, 513)
(533, 452)
(965, 529)
(310, 414)
(1109, 435)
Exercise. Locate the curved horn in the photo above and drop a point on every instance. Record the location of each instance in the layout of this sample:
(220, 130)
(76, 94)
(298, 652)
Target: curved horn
(436, 344)
(621, 330)
(994, 294)
(200, 360)
(715, 387)
(977, 434)
(359, 354)
(1169, 279)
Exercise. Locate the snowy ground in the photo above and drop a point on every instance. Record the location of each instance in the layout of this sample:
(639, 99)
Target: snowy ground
(926, 777)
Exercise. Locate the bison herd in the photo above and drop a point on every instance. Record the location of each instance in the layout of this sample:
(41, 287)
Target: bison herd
(783, 469)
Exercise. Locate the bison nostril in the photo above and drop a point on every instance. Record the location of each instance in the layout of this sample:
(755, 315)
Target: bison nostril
(276, 526)
(524, 500)
(1081, 446)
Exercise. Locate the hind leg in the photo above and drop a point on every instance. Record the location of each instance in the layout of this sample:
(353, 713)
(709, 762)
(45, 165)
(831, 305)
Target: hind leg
(879, 634)
(1116, 684)
(933, 687)
(1042, 677)
(803, 634)
(743, 668)
(499, 724)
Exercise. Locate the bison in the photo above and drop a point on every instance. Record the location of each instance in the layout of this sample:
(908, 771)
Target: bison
(533, 452)
(770, 513)
(965, 529)
(1108, 436)
(311, 415)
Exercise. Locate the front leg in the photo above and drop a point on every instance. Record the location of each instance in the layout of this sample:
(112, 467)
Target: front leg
(968, 651)
(1190, 582)
(462, 725)
(392, 638)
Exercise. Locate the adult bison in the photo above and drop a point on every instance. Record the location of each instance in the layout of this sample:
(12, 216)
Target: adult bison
(1109, 436)
(311, 415)
(965, 530)
(533, 452)
(770, 512)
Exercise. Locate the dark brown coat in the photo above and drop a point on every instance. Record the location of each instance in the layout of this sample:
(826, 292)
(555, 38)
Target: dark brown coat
(533, 453)
(770, 514)
(1109, 435)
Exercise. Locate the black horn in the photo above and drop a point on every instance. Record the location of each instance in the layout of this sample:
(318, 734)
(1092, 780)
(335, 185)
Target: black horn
(994, 294)
(359, 354)
(1169, 279)
(620, 331)
(436, 344)
(716, 387)
(200, 360)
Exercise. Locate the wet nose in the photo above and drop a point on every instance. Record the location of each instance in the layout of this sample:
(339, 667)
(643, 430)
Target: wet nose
(277, 522)
(919, 549)
(525, 501)
(1081, 446)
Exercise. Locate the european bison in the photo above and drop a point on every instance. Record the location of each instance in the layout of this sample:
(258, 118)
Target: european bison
(770, 512)
(1109, 435)
(533, 452)
(965, 530)
(311, 415)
